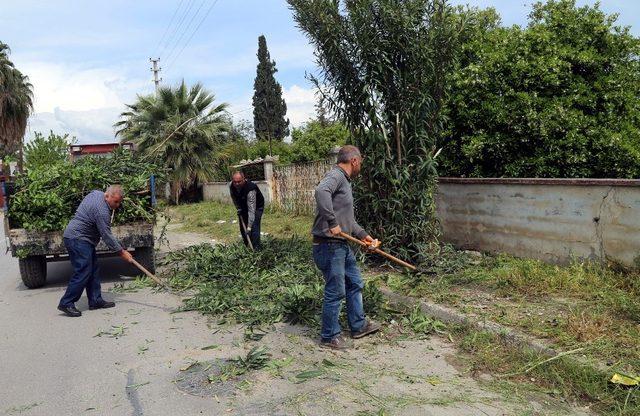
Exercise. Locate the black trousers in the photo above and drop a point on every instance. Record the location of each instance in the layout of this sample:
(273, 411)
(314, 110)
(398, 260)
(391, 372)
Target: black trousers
(254, 234)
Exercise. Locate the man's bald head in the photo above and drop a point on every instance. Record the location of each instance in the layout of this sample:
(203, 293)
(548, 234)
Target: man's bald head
(113, 195)
(237, 179)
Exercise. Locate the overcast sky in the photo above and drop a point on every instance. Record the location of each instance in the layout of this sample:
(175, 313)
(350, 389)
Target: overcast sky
(87, 58)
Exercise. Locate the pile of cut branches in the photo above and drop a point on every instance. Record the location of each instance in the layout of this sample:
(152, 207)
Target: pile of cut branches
(278, 283)
(45, 198)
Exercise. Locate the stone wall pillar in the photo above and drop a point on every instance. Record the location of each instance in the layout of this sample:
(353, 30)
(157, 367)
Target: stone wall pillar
(267, 165)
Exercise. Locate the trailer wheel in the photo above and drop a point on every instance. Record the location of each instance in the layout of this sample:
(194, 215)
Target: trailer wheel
(145, 256)
(33, 270)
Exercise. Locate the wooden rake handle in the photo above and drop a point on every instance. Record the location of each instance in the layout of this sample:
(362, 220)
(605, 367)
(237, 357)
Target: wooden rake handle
(147, 272)
(380, 252)
(244, 228)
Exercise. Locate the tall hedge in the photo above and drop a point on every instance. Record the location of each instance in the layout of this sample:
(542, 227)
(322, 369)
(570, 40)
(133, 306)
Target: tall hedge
(557, 98)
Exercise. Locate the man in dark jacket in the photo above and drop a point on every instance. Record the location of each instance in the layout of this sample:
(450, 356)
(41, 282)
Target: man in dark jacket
(332, 254)
(249, 202)
(91, 222)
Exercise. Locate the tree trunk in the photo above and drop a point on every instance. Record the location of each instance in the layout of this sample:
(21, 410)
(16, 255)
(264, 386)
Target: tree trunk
(176, 187)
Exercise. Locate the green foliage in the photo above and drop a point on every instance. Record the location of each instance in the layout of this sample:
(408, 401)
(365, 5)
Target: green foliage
(228, 155)
(262, 149)
(16, 103)
(269, 108)
(42, 151)
(558, 98)
(256, 359)
(315, 140)
(384, 64)
(300, 303)
(181, 129)
(423, 324)
(46, 198)
(278, 283)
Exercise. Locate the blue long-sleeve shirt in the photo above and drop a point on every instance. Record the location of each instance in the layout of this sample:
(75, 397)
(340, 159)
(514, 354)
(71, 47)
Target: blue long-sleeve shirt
(92, 221)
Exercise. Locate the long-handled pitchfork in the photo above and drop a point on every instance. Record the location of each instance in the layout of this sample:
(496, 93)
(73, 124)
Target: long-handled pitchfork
(380, 252)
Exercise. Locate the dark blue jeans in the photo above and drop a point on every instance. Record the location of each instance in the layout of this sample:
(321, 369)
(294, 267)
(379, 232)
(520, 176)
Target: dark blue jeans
(85, 273)
(254, 234)
(342, 279)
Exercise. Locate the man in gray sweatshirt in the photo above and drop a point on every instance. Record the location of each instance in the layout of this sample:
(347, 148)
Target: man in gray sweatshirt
(332, 254)
(91, 222)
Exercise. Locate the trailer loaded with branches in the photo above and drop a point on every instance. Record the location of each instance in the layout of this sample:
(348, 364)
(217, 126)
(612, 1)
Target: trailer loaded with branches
(40, 202)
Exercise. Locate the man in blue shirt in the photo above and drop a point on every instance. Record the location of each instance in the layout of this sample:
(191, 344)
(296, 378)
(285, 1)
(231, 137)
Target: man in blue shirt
(91, 222)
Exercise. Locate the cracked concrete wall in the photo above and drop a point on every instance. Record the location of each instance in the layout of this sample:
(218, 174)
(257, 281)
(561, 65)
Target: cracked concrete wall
(552, 220)
(219, 191)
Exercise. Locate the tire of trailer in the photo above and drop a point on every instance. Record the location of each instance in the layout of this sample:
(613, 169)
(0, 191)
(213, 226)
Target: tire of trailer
(33, 270)
(145, 256)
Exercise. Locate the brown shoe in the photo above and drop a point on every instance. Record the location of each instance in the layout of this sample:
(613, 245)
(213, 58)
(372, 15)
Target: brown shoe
(369, 327)
(337, 343)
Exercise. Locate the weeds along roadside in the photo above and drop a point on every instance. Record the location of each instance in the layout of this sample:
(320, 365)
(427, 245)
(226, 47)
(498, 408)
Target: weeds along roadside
(281, 283)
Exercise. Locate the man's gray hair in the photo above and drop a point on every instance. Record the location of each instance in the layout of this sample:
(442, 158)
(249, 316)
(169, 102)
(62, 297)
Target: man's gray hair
(348, 152)
(114, 190)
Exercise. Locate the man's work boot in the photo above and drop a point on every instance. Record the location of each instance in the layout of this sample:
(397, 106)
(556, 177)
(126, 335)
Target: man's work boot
(369, 327)
(70, 311)
(338, 343)
(102, 305)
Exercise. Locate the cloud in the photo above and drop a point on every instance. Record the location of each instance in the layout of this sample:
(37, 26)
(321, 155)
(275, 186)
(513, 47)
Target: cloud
(73, 88)
(91, 126)
(82, 101)
(300, 104)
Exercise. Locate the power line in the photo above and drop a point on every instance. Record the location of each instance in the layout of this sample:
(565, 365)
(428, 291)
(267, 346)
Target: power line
(186, 29)
(241, 111)
(177, 28)
(164, 35)
(194, 32)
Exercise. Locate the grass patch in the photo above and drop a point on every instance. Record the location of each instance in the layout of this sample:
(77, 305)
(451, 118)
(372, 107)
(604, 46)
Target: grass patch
(582, 304)
(205, 218)
(562, 377)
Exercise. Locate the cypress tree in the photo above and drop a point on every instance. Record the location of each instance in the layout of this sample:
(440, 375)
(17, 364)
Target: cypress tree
(269, 108)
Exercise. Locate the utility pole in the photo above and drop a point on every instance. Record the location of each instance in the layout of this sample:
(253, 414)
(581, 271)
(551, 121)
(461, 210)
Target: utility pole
(155, 71)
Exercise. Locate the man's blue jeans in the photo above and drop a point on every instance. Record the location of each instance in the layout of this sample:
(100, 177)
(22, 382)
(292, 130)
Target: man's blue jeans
(84, 260)
(342, 279)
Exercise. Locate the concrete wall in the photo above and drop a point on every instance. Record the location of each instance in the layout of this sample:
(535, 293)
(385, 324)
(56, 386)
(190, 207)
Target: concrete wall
(219, 191)
(549, 219)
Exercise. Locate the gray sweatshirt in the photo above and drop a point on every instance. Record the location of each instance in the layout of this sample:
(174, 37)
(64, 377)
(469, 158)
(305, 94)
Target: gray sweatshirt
(92, 221)
(334, 206)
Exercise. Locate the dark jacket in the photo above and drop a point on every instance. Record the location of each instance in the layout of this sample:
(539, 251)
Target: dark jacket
(248, 199)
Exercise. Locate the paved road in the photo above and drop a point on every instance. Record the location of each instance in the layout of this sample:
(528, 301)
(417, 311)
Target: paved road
(54, 365)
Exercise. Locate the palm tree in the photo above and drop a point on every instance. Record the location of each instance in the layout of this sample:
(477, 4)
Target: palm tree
(179, 127)
(16, 104)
